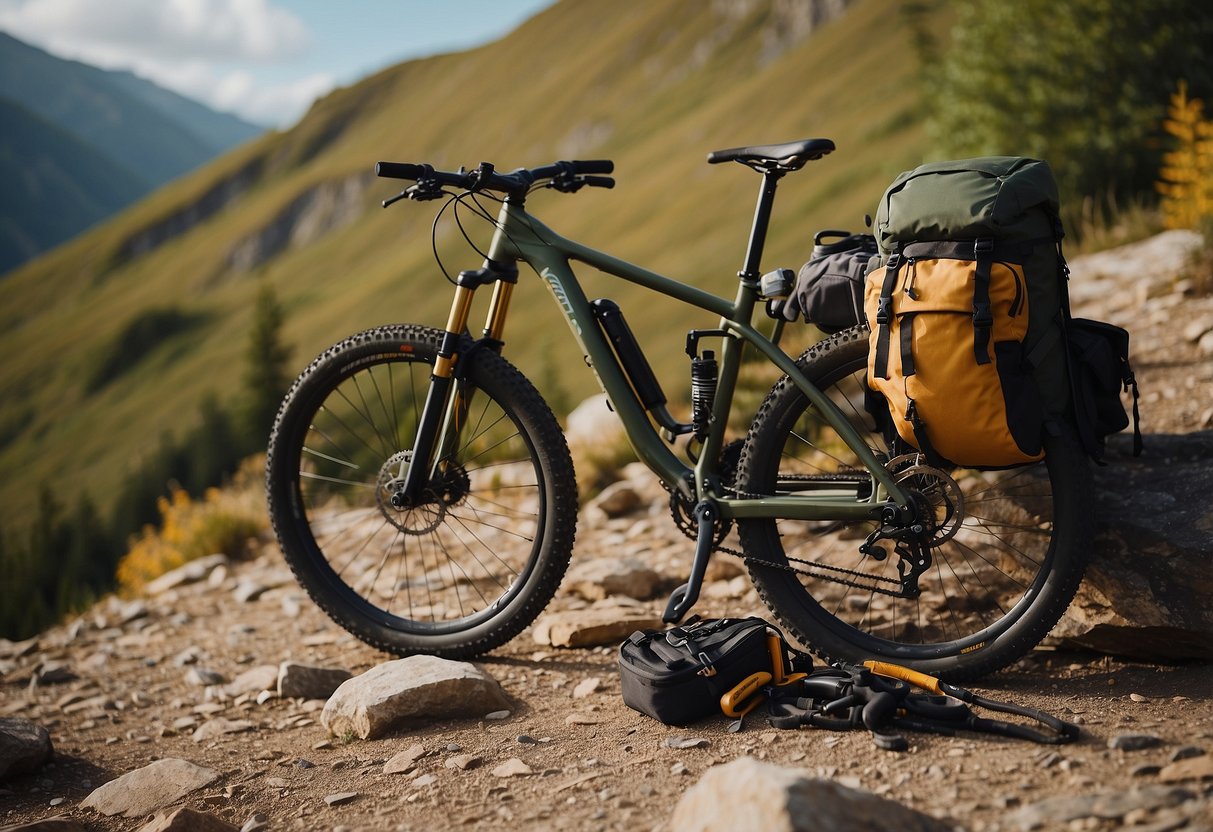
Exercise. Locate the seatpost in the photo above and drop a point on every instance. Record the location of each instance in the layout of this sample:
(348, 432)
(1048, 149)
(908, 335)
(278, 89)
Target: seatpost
(758, 231)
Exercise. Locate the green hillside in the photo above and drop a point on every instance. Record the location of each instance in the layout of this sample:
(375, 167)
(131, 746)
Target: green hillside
(654, 86)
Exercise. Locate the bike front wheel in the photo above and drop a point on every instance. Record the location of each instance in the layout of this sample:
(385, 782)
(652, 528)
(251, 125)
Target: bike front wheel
(1006, 554)
(472, 562)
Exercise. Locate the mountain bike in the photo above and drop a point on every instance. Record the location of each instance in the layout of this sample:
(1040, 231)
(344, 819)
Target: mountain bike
(424, 495)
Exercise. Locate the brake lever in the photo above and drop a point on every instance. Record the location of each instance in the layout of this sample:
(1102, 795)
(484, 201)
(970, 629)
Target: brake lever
(395, 199)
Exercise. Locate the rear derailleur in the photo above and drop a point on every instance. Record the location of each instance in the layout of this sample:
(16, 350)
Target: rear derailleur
(911, 544)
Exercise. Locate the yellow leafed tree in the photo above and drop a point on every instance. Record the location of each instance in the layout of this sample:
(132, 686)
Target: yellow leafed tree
(1186, 178)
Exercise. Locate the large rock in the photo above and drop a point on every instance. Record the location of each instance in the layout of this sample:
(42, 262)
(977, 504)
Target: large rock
(419, 687)
(747, 794)
(143, 791)
(24, 746)
(1147, 589)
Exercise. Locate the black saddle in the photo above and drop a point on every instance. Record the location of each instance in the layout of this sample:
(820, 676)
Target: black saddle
(786, 157)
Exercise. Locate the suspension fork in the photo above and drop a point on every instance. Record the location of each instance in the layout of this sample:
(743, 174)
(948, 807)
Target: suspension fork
(448, 399)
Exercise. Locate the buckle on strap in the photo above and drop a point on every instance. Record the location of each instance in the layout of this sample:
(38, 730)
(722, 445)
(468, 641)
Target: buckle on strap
(983, 318)
(884, 311)
(983, 246)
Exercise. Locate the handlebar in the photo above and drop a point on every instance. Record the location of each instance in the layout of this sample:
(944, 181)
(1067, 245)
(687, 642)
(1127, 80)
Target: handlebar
(562, 176)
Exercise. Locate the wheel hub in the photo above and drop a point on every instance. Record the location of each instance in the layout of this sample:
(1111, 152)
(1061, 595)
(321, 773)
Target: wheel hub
(938, 499)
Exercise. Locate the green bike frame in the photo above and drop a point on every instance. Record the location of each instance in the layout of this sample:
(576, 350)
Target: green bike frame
(520, 237)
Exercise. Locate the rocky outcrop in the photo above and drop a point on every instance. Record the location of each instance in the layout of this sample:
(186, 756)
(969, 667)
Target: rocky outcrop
(315, 212)
(1147, 588)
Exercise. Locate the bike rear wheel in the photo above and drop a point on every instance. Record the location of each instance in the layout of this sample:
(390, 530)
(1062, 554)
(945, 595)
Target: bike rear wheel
(481, 553)
(1007, 554)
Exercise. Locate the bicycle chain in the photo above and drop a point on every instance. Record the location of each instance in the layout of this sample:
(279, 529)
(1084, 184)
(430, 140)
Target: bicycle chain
(839, 570)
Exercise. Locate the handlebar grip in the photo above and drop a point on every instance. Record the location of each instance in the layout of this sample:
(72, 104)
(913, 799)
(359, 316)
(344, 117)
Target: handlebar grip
(599, 181)
(399, 170)
(594, 166)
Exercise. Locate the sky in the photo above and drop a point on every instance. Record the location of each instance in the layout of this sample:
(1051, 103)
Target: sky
(264, 60)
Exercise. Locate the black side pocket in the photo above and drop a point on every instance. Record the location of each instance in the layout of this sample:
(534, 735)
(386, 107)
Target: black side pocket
(1100, 363)
(1025, 414)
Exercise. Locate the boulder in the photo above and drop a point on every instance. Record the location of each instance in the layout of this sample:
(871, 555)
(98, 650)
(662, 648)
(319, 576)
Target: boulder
(415, 688)
(747, 794)
(1146, 590)
(24, 746)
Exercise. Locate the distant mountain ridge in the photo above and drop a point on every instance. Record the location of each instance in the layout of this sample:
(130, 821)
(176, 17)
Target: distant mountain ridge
(131, 135)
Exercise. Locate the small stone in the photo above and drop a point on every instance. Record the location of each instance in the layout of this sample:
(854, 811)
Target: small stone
(586, 687)
(582, 719)
(526, 739)
(1193, 768)
(1145, 770)
(512, 767)
(302, 681)
(1137, 697)
(219, 726)
(687, 742)
(425, 780)
(1187, 753)
(404, 761)
(203, 677)
(247, 591)
(256, 822)
(1134, 742)
(464, 762)
(497, 716)
(340, 798)
(254, 680)
(185, 819)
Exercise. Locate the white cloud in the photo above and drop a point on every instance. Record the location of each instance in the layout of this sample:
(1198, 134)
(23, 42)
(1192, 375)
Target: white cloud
(194, 47)
(176, 29)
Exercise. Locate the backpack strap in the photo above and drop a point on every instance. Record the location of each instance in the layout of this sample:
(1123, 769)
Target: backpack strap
(983, 318)
(884, 316)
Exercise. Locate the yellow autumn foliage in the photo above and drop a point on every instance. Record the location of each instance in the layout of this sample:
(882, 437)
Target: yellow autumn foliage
(1186, 178)
(222, 521)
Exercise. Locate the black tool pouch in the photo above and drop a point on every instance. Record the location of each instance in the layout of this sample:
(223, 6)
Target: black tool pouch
(677, 676)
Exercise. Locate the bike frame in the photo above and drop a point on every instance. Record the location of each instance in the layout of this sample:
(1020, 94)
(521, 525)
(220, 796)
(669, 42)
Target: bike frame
(521, 237)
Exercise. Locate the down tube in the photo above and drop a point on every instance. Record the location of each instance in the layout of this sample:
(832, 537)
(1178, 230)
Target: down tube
(571, 298)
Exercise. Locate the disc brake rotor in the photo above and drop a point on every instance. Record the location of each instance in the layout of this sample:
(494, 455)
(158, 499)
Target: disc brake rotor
(938, 495)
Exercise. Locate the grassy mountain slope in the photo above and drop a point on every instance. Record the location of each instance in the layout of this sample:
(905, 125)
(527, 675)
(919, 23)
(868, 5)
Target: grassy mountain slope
(655, 86)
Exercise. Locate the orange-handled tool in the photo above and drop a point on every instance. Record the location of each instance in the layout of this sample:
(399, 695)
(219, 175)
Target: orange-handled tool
(744, 697)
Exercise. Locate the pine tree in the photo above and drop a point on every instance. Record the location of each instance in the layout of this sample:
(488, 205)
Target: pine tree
(265, 373)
